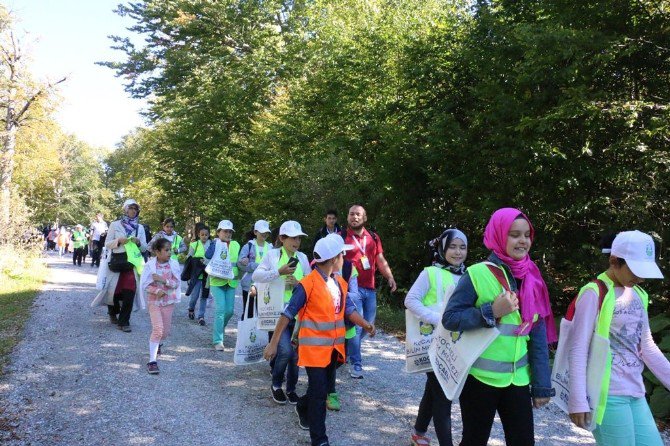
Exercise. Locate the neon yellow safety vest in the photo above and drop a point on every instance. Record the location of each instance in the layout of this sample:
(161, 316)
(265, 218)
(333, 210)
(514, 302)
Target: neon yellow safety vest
(233, 254)
(439, 279)
(603, 329)
(78, 239)
(298, 273)
(505, 361)
(198, 249)
(176, 241)
(260, 253)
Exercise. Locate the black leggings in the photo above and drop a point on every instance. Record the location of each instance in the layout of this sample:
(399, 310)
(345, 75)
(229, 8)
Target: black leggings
(435, 405)
(77, 256)
(479, 403)
(245, 296)
(123, 306)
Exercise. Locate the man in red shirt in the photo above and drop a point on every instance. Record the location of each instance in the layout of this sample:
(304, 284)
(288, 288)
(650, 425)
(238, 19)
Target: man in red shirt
(367, 256)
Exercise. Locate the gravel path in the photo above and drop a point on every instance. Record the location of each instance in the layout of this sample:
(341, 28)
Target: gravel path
(77, 380)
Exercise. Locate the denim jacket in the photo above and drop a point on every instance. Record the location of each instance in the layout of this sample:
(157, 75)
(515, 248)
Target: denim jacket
(462, 315)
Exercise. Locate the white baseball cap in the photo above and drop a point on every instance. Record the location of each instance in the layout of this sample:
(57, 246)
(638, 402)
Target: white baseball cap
(329, 246)
(262, 226)
(637, 249)
(129, 202)
(225, 224)
(291, 229)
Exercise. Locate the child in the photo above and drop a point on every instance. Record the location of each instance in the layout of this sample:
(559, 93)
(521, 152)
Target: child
(321, 303)
(251, 255)
(177, 244)
(223, 290)
(197, 287)
(160, 280)
(79, 241)
(276, 264)
(430, 292)
(486, 296)
(622, 416)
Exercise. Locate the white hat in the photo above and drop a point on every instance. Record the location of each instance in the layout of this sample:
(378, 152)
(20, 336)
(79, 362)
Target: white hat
(225, 224)
(291, 229)
(128, 202)
(637, 249)
(329, 246)
(262, 226)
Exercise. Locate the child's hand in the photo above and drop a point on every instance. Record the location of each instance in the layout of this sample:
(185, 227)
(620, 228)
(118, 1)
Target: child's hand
(581, 419)
(157, 278)
(371, 329)
(286, 270)
(540, 402)
(291, 280)
(244, 261)
(252, 291)
(505, 304)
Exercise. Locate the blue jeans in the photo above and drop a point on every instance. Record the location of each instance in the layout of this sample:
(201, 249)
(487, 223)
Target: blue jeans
(366, 305)
(198, 291)
(224, 299)
(627, 421)
(286, 361)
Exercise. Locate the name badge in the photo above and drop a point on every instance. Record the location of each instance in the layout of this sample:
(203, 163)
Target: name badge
(365, 263)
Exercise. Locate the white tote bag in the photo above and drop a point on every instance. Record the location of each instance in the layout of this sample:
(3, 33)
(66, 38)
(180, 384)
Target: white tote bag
(220, 265)
(250, 341)
(453, 353)
(270, 299)
(101, 279)
(418, 337)
(595, 370)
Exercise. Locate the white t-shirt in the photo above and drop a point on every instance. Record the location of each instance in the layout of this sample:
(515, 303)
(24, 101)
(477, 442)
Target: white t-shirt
(335, 293)
(99, 227)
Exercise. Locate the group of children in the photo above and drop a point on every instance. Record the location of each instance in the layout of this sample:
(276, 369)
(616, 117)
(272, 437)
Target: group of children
(506, 291)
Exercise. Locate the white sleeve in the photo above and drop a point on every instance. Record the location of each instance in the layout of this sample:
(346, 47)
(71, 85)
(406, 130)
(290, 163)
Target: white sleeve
(304, 263)
(267, 270)
(414, 300)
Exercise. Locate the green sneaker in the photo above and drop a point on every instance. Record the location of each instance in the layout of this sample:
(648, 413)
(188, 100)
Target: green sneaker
(333, 401)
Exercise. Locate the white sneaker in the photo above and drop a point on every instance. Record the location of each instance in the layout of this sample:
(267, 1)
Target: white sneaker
(218, 347)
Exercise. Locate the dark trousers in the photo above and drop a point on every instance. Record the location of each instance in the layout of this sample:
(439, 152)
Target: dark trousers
(123, 306)
(313, 403)
(434, 404)
(245, 296)
(479, 403)
(96, 252)
(77, 256)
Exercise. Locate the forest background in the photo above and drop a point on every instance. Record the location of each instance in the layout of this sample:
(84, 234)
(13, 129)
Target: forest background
(430, 113)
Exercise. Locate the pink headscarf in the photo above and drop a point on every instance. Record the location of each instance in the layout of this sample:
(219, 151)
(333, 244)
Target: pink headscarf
(533, 294)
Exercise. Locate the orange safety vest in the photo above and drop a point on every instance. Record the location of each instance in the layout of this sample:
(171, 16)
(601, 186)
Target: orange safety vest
(321, 330)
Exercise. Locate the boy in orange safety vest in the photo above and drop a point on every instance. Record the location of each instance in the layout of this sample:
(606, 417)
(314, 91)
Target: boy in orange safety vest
(321, 304)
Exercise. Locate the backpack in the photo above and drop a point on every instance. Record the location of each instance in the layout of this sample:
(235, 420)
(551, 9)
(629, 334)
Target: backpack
(344, 235)
(602, 292)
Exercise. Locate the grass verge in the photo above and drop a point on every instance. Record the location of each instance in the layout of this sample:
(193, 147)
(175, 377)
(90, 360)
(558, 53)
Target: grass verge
(391, 320)
(19, 285)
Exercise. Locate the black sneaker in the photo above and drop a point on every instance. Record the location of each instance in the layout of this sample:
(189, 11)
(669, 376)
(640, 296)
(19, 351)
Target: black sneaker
(303, 422)
(113, 319)
(292, 398)
(191, 314)
(125, 328)
(278, 395)
(201, 321)
(152, 368)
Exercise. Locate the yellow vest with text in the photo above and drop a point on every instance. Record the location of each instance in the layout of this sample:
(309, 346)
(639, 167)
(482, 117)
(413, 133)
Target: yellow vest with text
(233, 254)
(505, 361)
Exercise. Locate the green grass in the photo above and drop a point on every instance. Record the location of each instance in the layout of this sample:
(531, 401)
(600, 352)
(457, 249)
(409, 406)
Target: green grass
(17, 292)
(391, 320)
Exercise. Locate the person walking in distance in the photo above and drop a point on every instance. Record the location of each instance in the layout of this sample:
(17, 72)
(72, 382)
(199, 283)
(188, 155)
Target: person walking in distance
(367, 256)
(98, 228)
(79, 242)
(330, 226)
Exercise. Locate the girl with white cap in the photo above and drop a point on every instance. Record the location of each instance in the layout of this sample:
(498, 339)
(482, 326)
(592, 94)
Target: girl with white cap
(250, 257)
(291, 265)
(426, 299)
(622, 416)
(227, 251)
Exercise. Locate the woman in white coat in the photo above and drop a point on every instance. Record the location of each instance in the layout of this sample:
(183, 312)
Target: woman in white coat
(121, 288)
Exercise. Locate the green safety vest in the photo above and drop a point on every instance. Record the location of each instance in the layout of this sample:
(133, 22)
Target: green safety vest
(198, 249)
(176, 241)
(439, 279)
(78, 239)
(298, 273)
(260, 253)
(351, 331)
(603, 329)
(505, 361)
(233, 254)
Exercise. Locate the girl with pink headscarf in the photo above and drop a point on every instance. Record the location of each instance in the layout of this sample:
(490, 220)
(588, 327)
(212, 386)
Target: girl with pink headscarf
(507, 292)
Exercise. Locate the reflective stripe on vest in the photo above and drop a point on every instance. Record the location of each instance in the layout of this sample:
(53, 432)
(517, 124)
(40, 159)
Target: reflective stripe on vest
(440, 280)
(603, 329)
(321, 329)
(502, 363)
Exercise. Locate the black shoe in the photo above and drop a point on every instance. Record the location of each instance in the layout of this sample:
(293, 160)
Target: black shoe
(278, 395)
(292, 398)
(303, 422)
(201, 321)
(160, 346)
(125, 328)
(152, 368)
(113, 319)
(191, 314)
